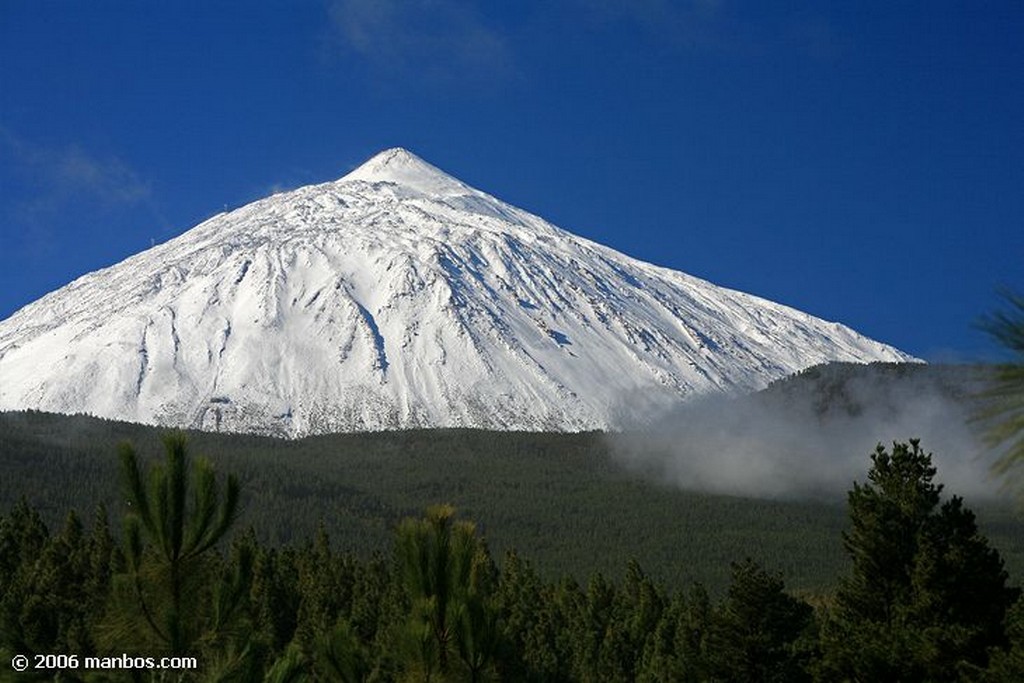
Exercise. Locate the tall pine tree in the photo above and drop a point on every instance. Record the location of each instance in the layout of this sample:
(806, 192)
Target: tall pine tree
(927, 596)
(175, 593)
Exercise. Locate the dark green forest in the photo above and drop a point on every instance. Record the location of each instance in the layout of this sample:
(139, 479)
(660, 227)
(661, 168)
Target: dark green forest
(560, 499)
(924, 597)
(443, 555)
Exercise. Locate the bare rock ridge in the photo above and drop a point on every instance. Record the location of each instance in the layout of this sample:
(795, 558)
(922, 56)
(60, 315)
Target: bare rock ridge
(396, 297)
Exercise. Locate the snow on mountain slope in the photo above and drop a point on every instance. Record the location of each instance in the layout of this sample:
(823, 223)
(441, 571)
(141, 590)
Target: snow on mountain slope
(396, 297)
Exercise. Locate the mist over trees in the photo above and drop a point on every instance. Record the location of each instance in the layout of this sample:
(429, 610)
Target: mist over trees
(803, 436)
(926, 598)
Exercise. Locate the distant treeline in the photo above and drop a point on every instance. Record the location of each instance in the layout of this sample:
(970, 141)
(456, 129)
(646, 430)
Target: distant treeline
(838, 387)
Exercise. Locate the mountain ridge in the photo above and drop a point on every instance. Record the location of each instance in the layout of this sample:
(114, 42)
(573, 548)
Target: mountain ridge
(395, 297)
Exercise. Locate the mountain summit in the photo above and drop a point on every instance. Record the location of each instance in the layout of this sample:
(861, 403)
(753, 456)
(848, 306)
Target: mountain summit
(401, 167)
(396, 297)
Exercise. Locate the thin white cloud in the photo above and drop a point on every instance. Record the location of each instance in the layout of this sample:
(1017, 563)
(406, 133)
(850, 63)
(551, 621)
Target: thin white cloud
(440, 41)
(110, 179)
(53, 176)
(50, 190)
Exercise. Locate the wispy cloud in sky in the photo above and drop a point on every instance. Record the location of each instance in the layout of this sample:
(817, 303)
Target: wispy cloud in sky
(50, 177)
(441, 41)
(109, 179)
(51, 191)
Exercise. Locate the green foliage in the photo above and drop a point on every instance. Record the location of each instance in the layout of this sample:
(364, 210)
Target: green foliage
(559, 499)
(680, 649)
(1002, 410)
(52, 587)
(448, 577)
(273, 600)
(1006, 665)
(535, 629)
(180, 526)
(176, 596)
(760, 632)
(844, 388)
(291, 667)
(341, 655)
(926, 596)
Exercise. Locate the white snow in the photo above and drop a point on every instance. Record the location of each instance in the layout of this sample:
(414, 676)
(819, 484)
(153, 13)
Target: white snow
(396, 297)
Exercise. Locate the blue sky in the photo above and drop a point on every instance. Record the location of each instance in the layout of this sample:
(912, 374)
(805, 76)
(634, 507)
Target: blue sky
(863, 162)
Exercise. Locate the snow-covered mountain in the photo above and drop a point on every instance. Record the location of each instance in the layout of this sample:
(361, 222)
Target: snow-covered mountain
(396, 297)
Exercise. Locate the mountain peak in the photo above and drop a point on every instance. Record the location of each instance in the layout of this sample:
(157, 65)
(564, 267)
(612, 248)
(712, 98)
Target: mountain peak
(399, 166)
(396, 298)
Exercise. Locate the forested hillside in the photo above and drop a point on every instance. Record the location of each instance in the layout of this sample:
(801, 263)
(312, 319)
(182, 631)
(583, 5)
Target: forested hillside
(558, 498)
(924, 598)
(561, 499)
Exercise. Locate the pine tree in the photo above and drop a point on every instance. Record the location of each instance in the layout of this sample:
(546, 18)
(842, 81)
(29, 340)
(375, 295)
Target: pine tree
(274, 595)
(1002, 408)
(448, 577)
(175, 518)
(324, 587)
(535, 629)
(926, 595)
(23, 537)
(757, 629)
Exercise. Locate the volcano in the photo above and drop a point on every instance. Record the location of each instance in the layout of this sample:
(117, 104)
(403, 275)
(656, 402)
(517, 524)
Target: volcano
(397, 297)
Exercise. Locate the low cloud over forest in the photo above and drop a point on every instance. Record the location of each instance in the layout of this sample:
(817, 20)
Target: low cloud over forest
(811, 435)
